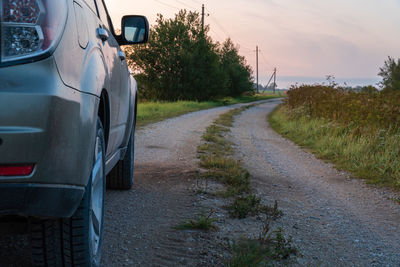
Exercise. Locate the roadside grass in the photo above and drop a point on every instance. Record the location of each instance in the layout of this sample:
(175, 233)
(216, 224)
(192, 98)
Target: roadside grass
(150, 112)
(270, 247)
(373, 155)
(203, 222)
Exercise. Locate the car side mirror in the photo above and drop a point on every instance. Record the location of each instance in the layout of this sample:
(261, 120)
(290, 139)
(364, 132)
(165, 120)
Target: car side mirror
(135, 30)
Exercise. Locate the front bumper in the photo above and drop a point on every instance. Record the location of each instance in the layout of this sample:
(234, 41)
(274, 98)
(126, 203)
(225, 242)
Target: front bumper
(45, 123)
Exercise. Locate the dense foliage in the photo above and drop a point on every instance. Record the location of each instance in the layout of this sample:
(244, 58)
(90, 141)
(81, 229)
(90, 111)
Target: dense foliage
(181, 62)
(390, 74)
(368, 109)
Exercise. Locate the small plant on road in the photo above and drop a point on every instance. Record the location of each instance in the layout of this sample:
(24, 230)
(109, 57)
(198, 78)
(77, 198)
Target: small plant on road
(270, 247)
(273, 212)
(251, 205)
(203, 222)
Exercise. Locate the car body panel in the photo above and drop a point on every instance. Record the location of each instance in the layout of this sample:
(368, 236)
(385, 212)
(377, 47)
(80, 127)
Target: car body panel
(46, 123)
(100, 68)
(48, 114)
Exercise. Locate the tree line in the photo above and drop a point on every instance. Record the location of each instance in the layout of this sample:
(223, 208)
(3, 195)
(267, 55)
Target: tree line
(182, 62)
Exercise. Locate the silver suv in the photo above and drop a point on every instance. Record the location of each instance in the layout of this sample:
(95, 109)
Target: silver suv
(67, 119)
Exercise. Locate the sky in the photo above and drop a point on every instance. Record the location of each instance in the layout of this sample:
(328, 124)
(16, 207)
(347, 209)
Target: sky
(304, 39)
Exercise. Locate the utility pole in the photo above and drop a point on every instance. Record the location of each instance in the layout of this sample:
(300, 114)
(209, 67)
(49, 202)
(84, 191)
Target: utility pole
(274, 79)
(202, 17)
(273, 76)
(257, 66)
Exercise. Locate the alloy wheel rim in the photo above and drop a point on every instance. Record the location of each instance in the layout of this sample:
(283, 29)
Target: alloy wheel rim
(97, 196)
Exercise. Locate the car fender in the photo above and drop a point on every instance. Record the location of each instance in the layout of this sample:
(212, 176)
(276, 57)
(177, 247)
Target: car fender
(94, 73)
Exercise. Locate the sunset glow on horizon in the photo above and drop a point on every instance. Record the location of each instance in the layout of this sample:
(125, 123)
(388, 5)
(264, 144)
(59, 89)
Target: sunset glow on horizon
(302, 38)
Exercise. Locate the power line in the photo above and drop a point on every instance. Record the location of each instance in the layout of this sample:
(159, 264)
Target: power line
(168, 5)
(214, 19)
(226, 32)
(219, 25)
(266, 61)
(183, 3)
(219, 36)
(197, 2)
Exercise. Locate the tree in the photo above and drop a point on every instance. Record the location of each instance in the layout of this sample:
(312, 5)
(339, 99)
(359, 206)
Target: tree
(179, 62)
(390, 74)
(235, 68)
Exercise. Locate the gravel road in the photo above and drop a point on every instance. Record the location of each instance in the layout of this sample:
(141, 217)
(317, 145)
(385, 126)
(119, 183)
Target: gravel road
(333, 219)
(139, 224)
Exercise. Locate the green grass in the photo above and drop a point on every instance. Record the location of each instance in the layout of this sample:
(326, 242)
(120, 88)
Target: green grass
(269, 249)
(150, 112)
(203, 222)
(251, 205)
(215, 156)
(374, 156)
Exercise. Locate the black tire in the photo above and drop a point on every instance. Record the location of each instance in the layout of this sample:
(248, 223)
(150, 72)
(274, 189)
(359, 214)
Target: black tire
(121, 176)
(68, 242)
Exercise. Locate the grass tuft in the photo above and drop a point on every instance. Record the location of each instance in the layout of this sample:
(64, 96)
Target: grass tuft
(244, 206)
(270, 247)
(203, 222)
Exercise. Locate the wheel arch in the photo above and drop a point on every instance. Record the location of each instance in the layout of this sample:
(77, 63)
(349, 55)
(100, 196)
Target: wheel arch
(104, 114)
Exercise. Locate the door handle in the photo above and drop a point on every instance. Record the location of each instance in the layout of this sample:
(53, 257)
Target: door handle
(121, 55)
(102, 34)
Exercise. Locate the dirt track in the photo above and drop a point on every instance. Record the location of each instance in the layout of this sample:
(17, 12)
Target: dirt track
(140, 231)
(334, 220)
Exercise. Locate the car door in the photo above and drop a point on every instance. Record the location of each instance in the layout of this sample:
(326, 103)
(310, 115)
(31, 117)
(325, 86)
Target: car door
(125, 93)
(111, 49)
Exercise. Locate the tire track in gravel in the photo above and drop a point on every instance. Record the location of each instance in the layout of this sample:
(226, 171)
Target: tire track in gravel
(334, 220)
(139, 223)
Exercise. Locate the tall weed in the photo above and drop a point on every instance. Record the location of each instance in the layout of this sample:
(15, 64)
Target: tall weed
(373, 154)
(367, 111)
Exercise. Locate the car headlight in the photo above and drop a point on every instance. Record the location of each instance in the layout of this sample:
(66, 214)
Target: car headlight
(30, 28)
